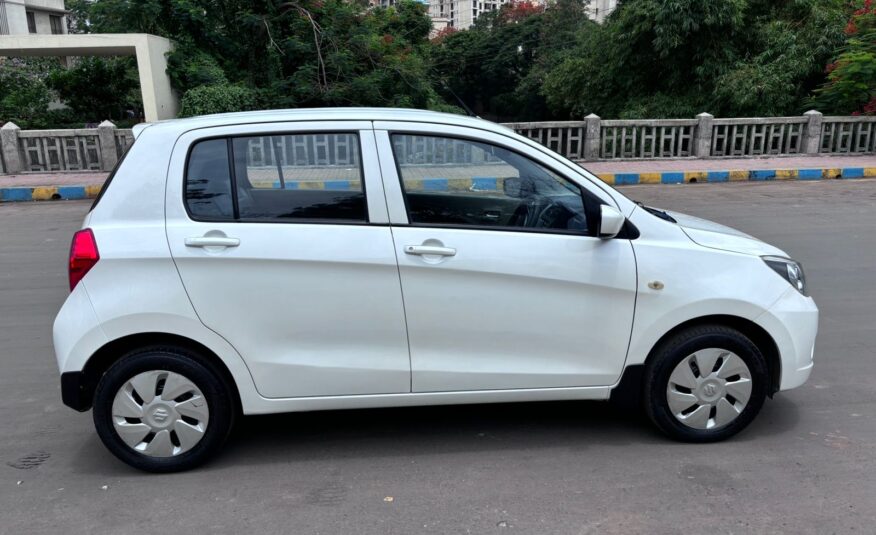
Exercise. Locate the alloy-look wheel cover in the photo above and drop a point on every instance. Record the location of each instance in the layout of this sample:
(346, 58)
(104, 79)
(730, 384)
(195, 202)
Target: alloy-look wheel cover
(709, 389)
(160, 413)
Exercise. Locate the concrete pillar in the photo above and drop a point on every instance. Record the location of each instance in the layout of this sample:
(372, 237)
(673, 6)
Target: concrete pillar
(106, 135)
(702, 146)
(812, 132)
(159, 100)
(11, 153)
(592, 134)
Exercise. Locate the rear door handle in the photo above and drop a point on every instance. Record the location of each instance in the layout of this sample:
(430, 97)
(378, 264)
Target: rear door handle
(429, 250)
(212, 241)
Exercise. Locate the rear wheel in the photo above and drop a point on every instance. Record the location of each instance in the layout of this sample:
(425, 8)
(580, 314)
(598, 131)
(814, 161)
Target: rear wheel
(163, 409)
(705, 384)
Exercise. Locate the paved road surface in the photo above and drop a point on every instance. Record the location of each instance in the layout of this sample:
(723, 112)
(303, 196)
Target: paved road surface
(807, 465)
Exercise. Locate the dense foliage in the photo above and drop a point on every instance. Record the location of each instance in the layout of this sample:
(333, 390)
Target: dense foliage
(676, 58)
(23, 92)
(98, 88)
(217, 98)
(851, 86)
(525, 61)
(291, 54)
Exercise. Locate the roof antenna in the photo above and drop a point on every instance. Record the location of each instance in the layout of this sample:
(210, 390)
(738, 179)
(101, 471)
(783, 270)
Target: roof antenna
(459, 100)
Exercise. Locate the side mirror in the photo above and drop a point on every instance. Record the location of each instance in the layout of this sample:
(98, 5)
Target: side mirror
(610, 222)
(512, 186)
(518, 187)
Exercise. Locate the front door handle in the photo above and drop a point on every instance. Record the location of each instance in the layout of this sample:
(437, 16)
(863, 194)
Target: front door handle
(212, 241)
(429, 250)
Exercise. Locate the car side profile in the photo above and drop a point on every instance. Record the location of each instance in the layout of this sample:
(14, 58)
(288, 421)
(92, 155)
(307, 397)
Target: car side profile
(303, 260)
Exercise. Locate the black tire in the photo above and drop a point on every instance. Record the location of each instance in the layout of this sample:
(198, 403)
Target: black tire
(683, 344)
(215, 389)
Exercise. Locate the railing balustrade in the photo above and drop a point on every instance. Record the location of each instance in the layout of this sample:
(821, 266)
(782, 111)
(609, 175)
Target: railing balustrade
(98, 149)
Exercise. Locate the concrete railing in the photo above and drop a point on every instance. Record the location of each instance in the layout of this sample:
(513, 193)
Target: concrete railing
(98, 149)
(81, 149)
(704, 137)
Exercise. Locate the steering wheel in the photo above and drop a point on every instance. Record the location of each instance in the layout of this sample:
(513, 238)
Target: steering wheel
(550, 215)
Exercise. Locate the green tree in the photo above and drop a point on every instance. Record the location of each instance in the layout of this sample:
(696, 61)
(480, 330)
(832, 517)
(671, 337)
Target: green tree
(675, 58)
(851, 84)
(498, 66)
(217, 99)
(290, 54)
(97, 88)
(24, 96)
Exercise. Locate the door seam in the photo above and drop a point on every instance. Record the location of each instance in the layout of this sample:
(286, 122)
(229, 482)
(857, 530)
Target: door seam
(397, 264)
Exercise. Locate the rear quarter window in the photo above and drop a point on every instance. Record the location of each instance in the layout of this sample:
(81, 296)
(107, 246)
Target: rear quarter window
(110, 177)
(208, 181)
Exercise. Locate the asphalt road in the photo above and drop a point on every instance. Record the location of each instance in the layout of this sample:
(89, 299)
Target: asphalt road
(807, 464)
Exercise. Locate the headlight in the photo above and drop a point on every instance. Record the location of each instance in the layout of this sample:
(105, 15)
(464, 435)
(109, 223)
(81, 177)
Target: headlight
(789, 270)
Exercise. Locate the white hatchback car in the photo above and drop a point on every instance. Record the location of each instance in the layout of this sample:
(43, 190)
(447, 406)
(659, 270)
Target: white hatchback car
(343, 258)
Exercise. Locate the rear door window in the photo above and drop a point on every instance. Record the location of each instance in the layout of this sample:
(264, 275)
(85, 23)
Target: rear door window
(285, 177)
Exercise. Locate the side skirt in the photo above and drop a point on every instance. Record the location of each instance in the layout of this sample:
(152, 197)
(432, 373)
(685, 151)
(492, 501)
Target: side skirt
(267, 406)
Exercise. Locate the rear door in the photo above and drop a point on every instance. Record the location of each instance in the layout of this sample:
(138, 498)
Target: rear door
(505, 284)
(282, 254)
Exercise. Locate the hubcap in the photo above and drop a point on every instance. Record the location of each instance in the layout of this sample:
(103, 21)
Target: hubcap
(160, 413)
(709, 389)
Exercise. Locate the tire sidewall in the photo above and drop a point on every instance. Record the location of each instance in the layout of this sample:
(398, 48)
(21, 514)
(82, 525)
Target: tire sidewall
(665, 362)
(208, 382)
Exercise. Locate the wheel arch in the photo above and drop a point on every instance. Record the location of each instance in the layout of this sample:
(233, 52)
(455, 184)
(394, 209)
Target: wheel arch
(101, 360)
(630, 385)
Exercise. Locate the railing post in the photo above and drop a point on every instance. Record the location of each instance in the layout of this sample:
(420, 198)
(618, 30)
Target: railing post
(703, 137)
(593, 131)
(11, 152)
(812, 136)
(106, 135)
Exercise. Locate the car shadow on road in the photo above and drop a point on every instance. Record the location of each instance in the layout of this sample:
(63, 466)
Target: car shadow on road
(409, 432)
(430, 430)
(418, 431)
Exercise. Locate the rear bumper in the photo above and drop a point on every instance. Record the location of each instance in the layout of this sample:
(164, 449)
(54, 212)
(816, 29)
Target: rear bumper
(793, 323)
(75, 390)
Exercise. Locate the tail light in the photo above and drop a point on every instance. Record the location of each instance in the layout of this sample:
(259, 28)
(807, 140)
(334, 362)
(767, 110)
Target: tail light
(83, 256)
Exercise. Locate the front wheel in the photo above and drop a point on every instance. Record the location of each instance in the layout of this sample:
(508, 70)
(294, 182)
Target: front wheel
(163, 409)
(705, 384)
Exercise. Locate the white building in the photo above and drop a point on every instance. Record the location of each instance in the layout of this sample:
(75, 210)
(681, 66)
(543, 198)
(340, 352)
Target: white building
(461, 14)
(22, 17)
(599, 9)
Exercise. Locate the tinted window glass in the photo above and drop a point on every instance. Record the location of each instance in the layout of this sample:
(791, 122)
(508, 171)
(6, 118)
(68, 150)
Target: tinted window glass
(208, 181)
(55, 23)
(299, 176)
(450, 181)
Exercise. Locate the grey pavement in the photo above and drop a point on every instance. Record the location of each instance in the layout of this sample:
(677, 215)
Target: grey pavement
(806, 465)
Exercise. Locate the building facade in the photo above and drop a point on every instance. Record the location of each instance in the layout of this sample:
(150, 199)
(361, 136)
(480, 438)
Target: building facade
(23, 17)
(599, 9)
(461, 14)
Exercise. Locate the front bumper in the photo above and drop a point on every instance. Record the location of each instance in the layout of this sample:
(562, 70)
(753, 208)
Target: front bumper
(793, 323)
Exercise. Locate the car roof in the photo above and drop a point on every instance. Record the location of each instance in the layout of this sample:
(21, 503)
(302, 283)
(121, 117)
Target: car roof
(319, 114)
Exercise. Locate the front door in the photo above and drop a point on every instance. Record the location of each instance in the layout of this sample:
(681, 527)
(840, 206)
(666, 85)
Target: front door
(282, 255)
(505, 284)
